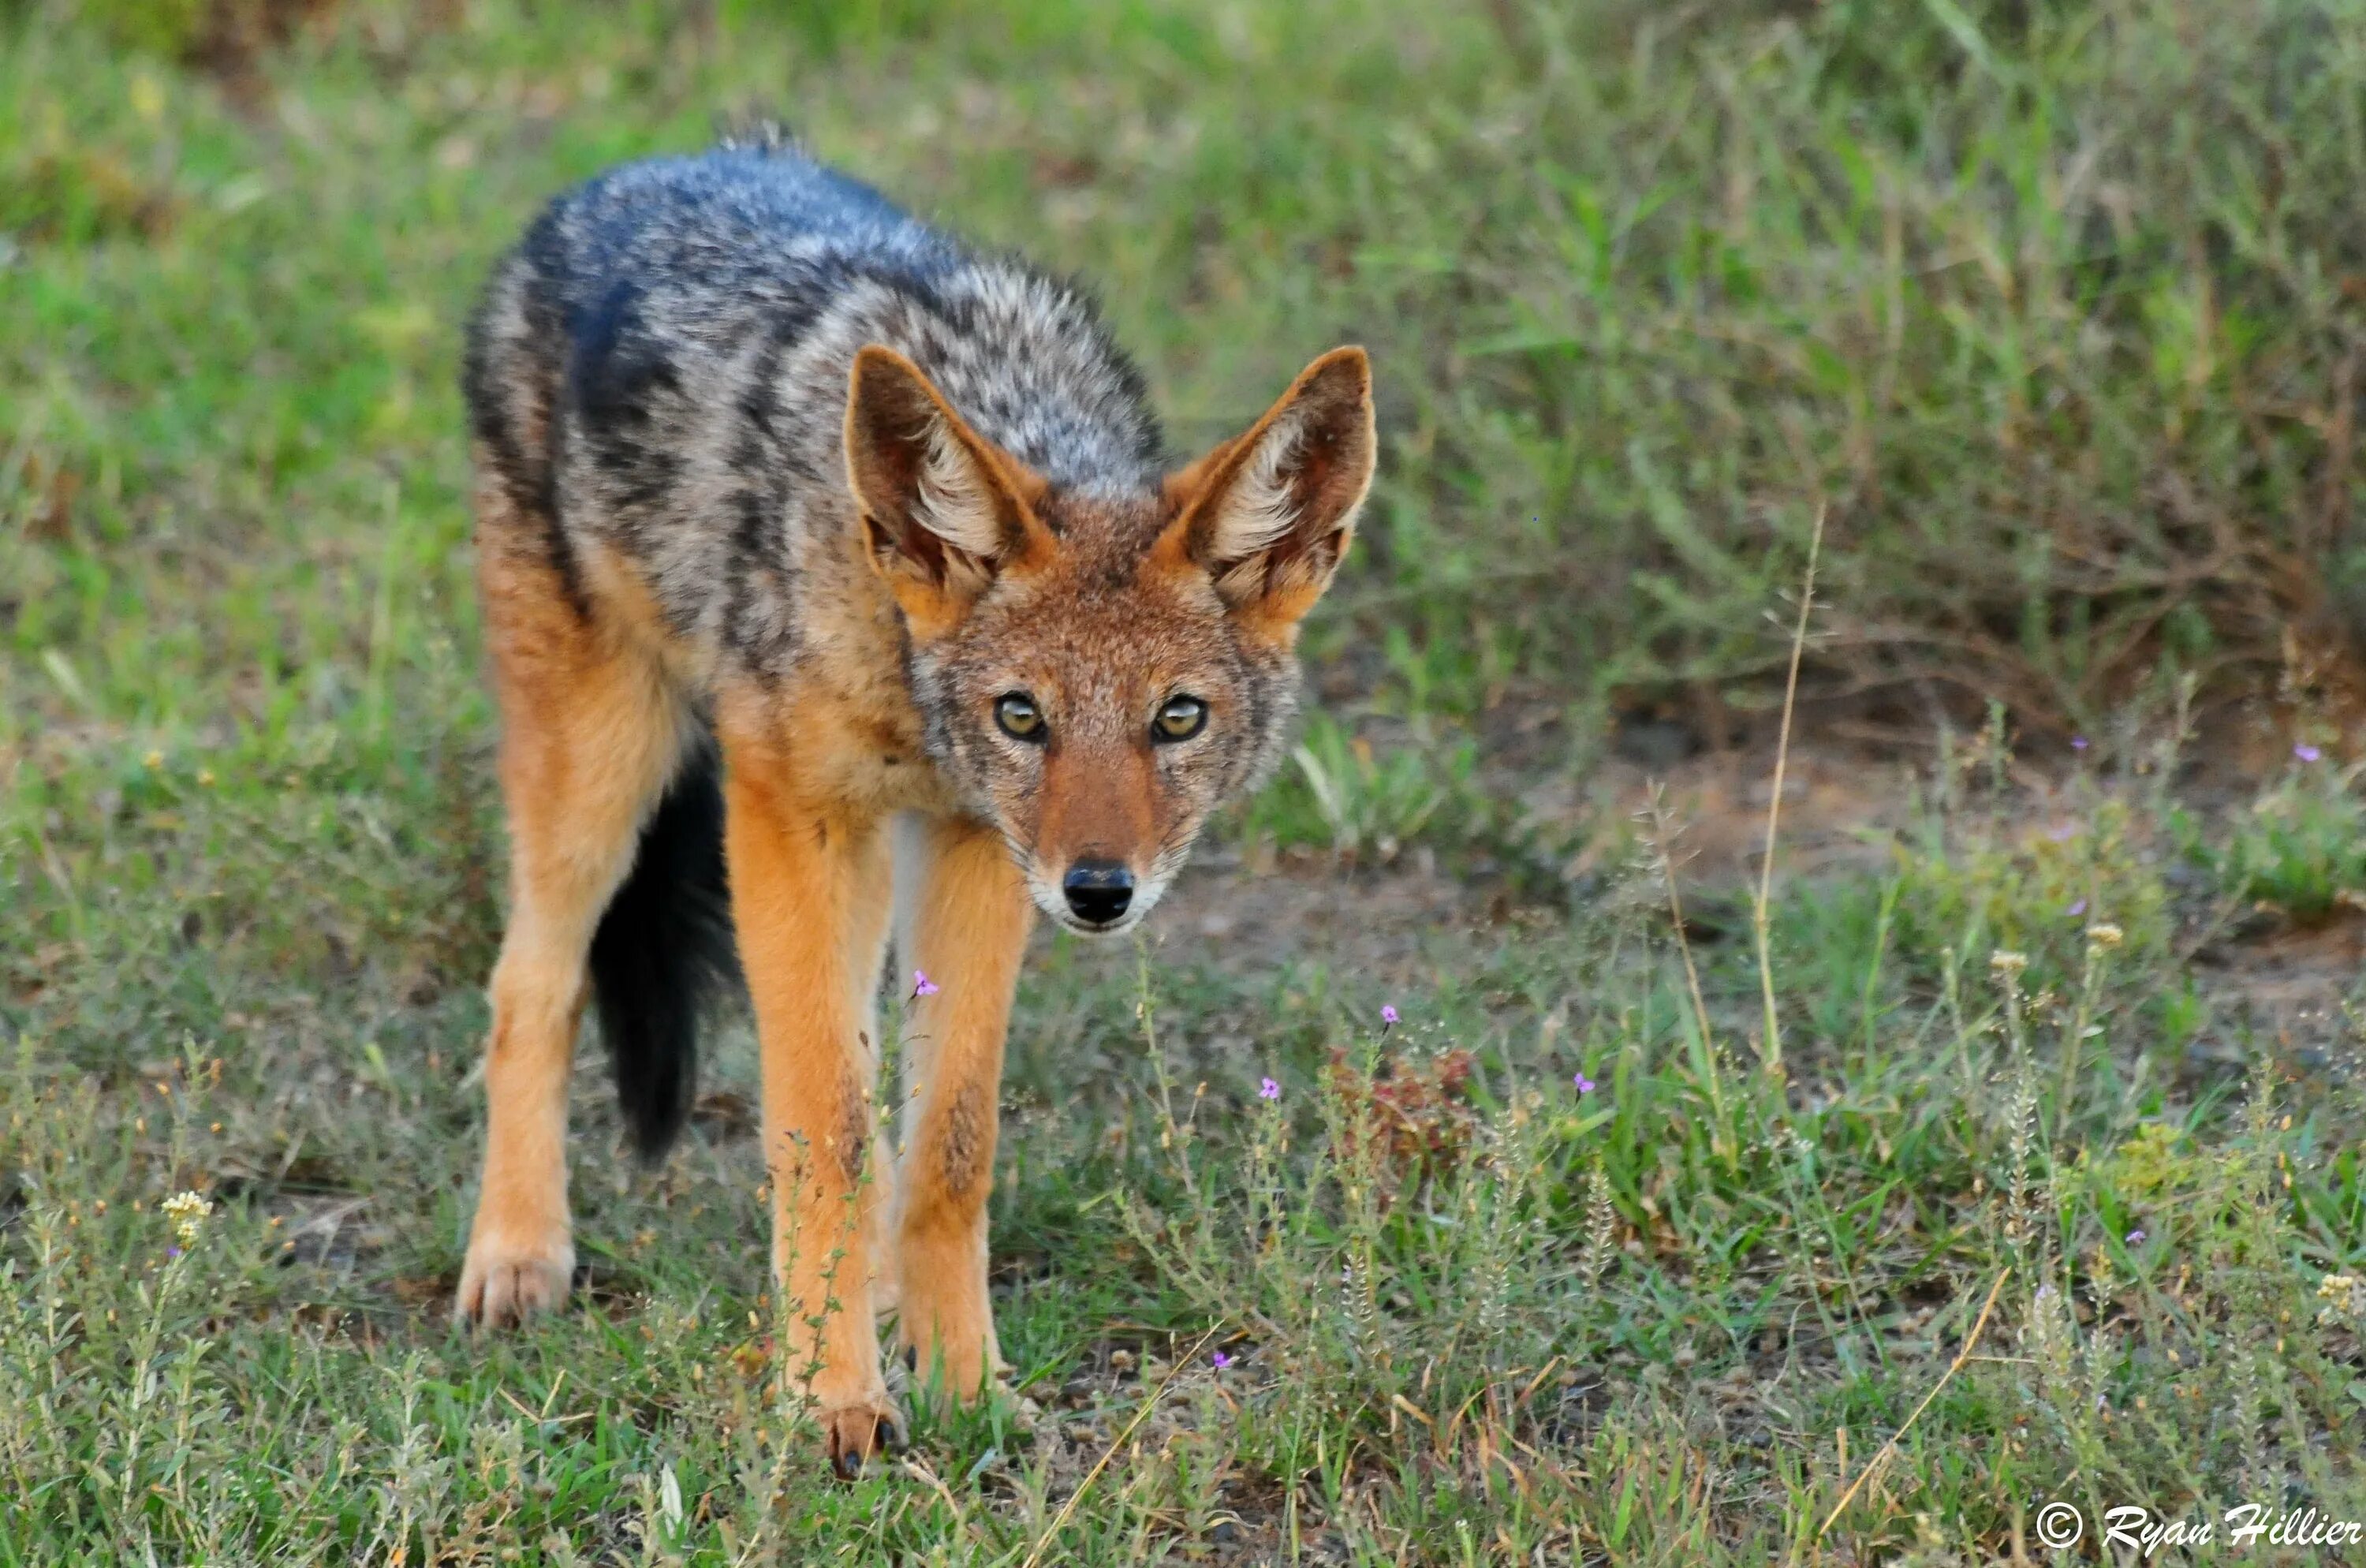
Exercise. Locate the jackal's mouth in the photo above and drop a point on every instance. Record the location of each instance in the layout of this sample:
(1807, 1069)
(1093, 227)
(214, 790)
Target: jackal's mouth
(1080, 928)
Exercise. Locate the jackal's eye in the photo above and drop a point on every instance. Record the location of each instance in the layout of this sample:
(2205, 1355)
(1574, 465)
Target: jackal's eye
(1020, 717)
(1179, 719)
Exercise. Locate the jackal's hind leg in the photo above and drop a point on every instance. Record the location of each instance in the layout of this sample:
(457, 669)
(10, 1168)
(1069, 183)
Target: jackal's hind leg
(590, 733)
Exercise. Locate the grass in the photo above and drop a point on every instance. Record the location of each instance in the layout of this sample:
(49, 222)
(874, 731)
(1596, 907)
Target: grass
(2050, 308)
(2301, 849)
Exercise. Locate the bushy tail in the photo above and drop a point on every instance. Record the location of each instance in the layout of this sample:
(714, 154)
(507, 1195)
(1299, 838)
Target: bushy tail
(663, 952)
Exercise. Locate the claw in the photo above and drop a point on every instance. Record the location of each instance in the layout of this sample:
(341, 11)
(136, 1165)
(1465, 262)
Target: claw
(855, 1433)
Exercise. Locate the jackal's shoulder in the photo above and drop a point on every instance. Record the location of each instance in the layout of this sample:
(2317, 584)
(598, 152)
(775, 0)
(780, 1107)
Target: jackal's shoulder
(675, 273)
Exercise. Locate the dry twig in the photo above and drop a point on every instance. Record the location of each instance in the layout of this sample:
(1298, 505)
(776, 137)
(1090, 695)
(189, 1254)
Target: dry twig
(1889, 1450)
(1770, 1049)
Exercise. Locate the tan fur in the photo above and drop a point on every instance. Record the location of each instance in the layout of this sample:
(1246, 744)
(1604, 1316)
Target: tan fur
(1096, 802)
(630, 614)
(1100, 618)
(967, 929)
(592, 732)
(810, 895)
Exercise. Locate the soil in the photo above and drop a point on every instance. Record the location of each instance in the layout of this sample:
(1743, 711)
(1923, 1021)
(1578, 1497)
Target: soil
(2264, 977)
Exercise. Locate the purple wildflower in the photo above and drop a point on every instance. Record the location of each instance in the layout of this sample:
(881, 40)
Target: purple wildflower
(1388, 1016)
(2079, 907)
(2064, 833)
(1220, 1360)
(172, 1252)
(2078, 743)
(2307, 752)
(1269, 1089)
(921, 985)
(2136, 1236)
(1585, 1085)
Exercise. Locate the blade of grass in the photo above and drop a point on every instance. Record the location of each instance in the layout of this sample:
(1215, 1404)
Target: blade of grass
(1770, 1049)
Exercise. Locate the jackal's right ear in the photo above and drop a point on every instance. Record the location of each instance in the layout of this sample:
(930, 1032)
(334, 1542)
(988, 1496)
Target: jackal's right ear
(943, 510)
(1268, 517)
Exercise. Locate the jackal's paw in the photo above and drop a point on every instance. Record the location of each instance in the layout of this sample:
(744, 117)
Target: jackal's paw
(853, 1433)
(503, 1284)
(963, 1367)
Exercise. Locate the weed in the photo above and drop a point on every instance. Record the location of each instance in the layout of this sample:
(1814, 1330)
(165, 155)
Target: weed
(2301, 846)
(1345, 795)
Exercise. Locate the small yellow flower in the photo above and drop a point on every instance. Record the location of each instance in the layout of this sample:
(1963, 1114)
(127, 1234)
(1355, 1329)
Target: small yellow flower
(147, 97)
(2106, 935)
(2006, 962)
(153, 761)
(187, 1210)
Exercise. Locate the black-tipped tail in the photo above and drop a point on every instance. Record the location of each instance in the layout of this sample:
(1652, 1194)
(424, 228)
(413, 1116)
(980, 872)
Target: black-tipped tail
(663, 952)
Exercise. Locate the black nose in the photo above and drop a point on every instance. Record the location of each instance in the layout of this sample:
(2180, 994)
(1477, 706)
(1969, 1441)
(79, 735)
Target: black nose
(1098, 891)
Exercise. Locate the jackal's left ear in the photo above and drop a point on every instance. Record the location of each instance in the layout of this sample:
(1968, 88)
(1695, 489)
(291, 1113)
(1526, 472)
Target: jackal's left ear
(1270, 515)
(944, 509)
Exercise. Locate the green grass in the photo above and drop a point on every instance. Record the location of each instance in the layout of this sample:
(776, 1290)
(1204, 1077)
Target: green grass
(2052, 309)
(2301, 849)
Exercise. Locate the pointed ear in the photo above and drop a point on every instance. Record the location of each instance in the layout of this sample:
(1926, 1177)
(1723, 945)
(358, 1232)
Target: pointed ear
(943, 510)
(1268, 517)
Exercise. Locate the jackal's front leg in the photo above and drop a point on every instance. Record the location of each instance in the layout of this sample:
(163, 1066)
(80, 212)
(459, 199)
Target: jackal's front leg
(809, 896)
(967, 932)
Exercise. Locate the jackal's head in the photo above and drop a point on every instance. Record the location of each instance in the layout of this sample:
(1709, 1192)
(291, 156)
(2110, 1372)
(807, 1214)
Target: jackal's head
(1098, 670)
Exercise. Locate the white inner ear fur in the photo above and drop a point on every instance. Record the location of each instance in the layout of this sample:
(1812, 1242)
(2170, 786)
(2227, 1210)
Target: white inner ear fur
(952, 499)
(1259, 509)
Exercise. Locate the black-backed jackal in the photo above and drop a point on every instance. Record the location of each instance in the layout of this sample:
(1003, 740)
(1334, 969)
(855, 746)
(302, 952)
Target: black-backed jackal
(834, 581)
